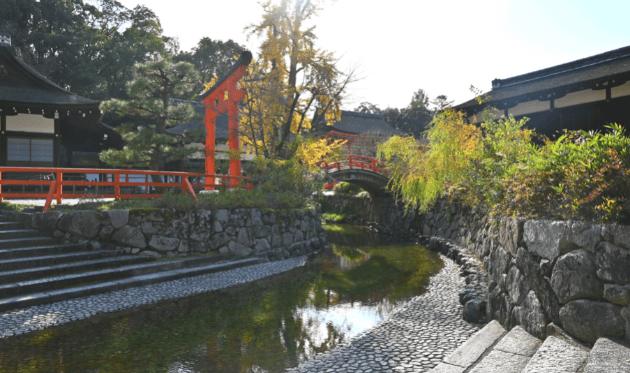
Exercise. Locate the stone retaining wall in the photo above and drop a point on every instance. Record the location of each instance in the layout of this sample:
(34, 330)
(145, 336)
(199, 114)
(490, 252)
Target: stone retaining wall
(166, 233)
(570, 273)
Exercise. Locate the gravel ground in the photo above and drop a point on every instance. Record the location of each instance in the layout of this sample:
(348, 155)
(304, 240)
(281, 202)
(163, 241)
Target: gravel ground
(21, 321)
(415, 338)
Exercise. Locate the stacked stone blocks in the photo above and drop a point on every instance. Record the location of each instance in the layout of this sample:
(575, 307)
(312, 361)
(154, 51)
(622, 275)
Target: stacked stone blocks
(572, 273)
(174, 233)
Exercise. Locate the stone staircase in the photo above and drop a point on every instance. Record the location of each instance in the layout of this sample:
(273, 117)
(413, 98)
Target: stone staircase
(493, 349)
(34, 270)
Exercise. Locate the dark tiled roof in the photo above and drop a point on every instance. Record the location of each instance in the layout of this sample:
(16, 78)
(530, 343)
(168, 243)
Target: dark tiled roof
(31, 87)
(355, 123)
(245, 59)
(221, 123)
(586, 70)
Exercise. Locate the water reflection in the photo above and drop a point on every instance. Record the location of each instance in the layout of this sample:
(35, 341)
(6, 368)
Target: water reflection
(268, 326)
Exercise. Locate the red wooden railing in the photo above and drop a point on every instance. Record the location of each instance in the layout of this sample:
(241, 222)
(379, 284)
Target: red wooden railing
(353, 162)
(112, 178)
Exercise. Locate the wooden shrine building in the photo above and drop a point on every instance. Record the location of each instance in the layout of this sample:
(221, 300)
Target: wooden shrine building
(362, 132)
(39, 118)
(585, 94)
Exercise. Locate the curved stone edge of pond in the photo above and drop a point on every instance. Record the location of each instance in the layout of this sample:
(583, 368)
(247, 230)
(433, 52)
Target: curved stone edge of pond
(416, 337)
(17, 322)
(573, 274)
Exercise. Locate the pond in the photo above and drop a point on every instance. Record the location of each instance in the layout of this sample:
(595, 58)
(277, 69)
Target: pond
(268, 326)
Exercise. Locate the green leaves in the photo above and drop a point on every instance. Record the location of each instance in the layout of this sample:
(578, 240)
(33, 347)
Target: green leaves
(150, 90)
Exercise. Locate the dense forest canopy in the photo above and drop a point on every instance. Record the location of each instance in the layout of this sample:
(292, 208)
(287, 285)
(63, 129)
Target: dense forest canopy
(90, 47)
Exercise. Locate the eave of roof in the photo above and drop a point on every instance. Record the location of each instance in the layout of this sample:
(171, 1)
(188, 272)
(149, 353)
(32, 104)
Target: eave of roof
(574, 75)
(49, 94)
(355, 122)
(245, 59)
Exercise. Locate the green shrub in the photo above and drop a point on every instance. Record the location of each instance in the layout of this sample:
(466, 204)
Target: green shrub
(347, 188)
(580, 175)
(332, 218)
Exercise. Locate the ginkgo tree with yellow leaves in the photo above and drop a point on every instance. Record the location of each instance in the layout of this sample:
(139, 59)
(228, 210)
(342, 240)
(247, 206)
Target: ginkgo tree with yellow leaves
(292, 87)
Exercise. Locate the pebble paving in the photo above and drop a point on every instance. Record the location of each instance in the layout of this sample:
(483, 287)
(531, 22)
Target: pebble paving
(415, 338)
(16, 322)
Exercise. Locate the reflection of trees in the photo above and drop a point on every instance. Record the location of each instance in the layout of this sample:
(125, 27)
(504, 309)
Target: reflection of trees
(219, 332)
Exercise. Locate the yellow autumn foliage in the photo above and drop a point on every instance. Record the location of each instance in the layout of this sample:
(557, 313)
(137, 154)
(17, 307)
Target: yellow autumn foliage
(311, 151)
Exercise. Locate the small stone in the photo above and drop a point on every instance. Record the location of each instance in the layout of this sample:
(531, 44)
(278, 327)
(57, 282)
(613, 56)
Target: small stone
(222, 216)
(118, 218)
(85, 224)
(575, 276)
(617, 294)
(238, 249)
(474, 310)
(590, 320)
(613, 262)
(130, 236)
(161, 243)
(150, 253)
(287, 239)
(547, 238)
(262, 245)
(244, 237)
(106, 233)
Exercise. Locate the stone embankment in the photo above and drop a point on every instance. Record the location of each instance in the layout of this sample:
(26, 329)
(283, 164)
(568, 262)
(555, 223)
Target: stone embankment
(573, 274)
(172, 233)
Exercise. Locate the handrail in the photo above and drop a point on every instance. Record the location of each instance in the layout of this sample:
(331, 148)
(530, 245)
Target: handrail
(119, 178)
(353, 162)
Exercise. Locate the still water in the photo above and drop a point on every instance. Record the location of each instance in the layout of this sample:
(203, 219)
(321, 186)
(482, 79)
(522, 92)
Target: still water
(268, 326)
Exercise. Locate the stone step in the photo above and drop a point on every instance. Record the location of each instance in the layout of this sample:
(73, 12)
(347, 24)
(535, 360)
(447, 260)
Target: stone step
(22, 233)
(27, 274)
(6, 218)
(557, 355)
(473, 349)
(511, 354)
(48, 260)
(5, 225)
(15, 243)
(101, 275)
(609, 356)
(104, 287)
(27, 252)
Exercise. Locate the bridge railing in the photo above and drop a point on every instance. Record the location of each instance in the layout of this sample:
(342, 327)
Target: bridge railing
(106, 183)
(353, 162)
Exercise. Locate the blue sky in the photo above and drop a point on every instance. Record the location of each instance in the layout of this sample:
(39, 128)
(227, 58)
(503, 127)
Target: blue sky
(440, 46)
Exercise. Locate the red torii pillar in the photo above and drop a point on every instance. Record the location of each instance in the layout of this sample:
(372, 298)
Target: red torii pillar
(224, 96)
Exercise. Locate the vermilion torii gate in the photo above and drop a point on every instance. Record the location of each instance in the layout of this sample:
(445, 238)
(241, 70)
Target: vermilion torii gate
(224, 96)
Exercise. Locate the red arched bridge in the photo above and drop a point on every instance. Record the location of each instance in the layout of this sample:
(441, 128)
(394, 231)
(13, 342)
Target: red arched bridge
(368, 173)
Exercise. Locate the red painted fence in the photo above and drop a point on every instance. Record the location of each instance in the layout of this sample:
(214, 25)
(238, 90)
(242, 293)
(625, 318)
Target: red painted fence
(353, 162)
(58, 178)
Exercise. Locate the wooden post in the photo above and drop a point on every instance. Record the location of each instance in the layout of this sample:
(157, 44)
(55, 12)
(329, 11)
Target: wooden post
(210, 123)
(51, 192)
(117, 185)
(235, 144)
(59, 186)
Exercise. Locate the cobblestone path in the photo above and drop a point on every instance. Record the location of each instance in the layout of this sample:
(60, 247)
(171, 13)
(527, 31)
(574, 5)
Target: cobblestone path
(21, 321)
(415, 338)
